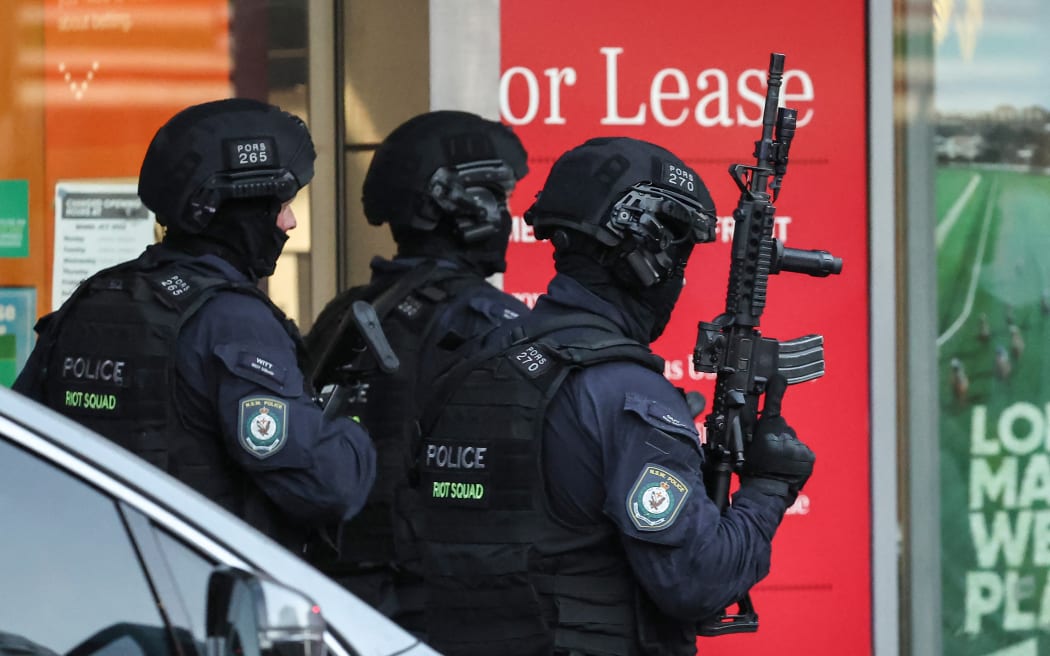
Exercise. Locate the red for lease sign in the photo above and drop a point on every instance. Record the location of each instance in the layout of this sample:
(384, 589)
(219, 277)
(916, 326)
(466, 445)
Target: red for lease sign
(691, 76)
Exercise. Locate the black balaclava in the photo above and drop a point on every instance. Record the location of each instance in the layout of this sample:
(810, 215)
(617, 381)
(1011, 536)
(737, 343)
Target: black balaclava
(661, 298)
(243, 232)
(648, 309)
(486, 257)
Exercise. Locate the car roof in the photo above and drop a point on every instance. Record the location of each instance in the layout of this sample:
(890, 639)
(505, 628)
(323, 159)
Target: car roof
(366, 629)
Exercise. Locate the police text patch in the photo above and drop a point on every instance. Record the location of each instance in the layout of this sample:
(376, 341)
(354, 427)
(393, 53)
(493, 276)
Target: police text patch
(656, 498)
(262, 425)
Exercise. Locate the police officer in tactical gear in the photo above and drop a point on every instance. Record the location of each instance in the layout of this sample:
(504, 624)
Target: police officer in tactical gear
(440, 181)
(179, 357)
(562, 473)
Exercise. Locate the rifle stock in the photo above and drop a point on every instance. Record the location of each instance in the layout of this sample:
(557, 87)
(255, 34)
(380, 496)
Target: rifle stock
(731, 346)
(361, 344)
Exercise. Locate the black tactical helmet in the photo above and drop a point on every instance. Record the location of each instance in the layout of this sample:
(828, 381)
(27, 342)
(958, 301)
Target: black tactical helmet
(444, 167)
(221, 150)
(638, 203)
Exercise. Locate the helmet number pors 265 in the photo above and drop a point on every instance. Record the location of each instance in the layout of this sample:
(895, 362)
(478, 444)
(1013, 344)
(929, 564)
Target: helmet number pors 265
(262, 425)
(656, 498)
(678, 177)
(250, 153)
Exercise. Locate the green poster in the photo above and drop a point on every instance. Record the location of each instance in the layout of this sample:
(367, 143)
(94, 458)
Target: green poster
(992, 98)
(14, 218)
(8, 363)
(17, 317)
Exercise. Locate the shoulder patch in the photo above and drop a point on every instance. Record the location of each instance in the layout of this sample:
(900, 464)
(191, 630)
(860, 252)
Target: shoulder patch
(259, 366)
(660, 416)
(174, 285)
(410, 307)
(262, 425)
(656, 498)
(277, 372)
(531, 359)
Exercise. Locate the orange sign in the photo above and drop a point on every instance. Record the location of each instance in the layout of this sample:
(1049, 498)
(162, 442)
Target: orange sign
(114, 72)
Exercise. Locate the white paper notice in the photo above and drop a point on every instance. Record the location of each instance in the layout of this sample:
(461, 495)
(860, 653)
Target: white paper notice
(97, 225)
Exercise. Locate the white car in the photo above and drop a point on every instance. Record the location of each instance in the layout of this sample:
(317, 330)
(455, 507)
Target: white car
(103, 554)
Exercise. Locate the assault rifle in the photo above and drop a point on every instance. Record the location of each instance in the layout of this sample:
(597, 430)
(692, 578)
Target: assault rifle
(360, 346)
(731, 345)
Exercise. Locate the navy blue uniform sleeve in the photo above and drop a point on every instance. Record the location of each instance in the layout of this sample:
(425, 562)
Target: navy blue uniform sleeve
(628, 450)
(240, 357)
(478, 310)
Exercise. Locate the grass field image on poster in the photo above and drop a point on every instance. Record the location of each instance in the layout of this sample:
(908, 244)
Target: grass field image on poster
(993, 264)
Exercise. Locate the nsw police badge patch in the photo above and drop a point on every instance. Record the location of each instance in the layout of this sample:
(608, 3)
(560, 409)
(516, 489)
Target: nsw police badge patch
(263, 425)
(656, 498)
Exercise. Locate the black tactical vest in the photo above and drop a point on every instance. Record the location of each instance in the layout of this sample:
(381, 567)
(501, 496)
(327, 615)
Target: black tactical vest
(382, 540)
(110, 359)
(503, 575)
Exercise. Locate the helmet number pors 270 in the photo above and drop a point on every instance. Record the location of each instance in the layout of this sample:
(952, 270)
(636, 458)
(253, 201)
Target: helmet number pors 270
(678, 177)
(656, 499)
(262, 425)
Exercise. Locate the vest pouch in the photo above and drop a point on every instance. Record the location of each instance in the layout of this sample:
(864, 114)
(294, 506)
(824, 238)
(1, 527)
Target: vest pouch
(594, 614)
(365, 542)
(226, 490)
(156, 457)
(659, 634)
(479, 611)
(407, 520)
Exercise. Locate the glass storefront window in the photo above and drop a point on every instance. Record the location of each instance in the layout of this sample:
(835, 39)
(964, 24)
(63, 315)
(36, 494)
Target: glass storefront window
(91, 81)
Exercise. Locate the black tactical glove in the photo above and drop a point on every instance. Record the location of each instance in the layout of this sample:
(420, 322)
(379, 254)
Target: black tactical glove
(775, 459)
(696, 402)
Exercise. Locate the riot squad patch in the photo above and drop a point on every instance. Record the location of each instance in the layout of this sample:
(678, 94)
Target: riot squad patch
(656, 498)
(263, 422)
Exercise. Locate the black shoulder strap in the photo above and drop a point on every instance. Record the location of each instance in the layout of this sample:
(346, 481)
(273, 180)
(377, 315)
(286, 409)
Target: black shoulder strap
(187, 291)
(90, 283)
(536, 330)
(598, 340)
(421, 276)
(427, 273)
(604, 341)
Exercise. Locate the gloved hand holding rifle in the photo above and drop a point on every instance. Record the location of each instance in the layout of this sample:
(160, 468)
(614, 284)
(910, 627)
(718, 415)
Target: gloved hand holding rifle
(763, 452)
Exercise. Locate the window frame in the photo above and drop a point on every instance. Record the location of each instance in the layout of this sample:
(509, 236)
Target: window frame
(142, 517)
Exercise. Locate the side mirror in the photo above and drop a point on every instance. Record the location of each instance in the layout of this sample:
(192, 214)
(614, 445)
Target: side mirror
(252, 616)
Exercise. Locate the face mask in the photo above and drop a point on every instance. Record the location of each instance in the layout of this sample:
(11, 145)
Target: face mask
(491, 255)
(263, 258)
(662, 297)
(248, 231)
